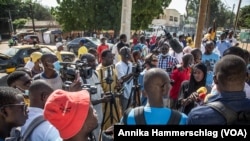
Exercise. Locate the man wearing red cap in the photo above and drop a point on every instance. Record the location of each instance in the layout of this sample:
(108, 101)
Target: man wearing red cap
(71, 113)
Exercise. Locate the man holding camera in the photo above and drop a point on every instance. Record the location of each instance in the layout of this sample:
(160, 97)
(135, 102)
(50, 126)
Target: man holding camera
(107, 76)
(96, 98)
(125, 75)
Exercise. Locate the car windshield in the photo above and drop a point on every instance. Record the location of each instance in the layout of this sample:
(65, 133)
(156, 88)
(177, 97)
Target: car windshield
(95, 40)
(11, 51)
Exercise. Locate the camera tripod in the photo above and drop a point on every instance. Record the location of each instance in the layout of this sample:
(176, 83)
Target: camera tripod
(112, 104)
(135, 94)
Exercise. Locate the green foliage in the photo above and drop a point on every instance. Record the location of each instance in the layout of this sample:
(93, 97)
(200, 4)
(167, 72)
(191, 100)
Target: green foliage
(19, 23)
(144, 11)
(22, 9)
(244, 17)
(218, 11)
(95, 15)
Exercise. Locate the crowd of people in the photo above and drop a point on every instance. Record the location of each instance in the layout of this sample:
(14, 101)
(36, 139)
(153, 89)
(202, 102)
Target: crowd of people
(145, 82)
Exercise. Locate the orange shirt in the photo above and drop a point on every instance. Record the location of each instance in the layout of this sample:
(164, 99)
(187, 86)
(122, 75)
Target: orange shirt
(101, 48)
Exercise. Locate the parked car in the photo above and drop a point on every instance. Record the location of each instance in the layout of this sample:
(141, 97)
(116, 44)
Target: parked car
(18, 56)
(29, 39)
(90, 42)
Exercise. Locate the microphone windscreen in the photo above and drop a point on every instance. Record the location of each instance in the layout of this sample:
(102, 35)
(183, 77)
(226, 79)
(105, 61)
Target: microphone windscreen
(202, 90)
(175, 45)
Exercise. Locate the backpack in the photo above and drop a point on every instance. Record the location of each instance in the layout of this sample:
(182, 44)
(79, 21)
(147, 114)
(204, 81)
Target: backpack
(140, 118)
(138, 47)
(15, 134)
(232, 117)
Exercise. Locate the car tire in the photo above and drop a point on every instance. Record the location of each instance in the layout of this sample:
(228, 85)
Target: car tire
(67, 60)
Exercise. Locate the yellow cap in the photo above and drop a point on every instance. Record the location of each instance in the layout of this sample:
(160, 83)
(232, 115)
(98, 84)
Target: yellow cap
(35, 56)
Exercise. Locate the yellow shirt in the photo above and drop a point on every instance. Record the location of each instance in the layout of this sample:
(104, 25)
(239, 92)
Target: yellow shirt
(59, 56)
(102, 74)
(27, 100)
(210, 36)
(82, 50)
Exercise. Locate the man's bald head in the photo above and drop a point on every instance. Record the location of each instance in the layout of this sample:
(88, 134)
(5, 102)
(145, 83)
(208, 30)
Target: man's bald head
(155, 79)
(230, 73)
(39, 91)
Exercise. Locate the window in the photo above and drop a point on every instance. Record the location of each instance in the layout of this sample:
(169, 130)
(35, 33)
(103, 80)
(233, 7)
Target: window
(175, 19)
(171, 18)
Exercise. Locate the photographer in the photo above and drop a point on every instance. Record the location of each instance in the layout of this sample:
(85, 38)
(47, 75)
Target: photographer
(151, 61)
(125, 75)
(97, 99)
(109, 83)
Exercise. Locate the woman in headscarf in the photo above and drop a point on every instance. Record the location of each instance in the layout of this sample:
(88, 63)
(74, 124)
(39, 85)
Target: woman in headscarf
(186, 100)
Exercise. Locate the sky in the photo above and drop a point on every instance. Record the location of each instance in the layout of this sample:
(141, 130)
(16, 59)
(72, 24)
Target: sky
(179, 5)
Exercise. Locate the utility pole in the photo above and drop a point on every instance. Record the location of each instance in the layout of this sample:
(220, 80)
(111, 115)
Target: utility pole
(231, 19)
(208, 14)
(32, 17)
(201, 22)
(126, 18)
(10, 21)
(237, 16)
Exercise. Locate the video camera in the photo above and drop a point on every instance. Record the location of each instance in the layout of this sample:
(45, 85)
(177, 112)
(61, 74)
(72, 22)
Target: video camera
(137, 69)
(88, 87)
(69, 70)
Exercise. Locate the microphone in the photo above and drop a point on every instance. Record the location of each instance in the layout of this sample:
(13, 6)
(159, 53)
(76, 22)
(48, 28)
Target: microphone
(202, 92)
(173, 42)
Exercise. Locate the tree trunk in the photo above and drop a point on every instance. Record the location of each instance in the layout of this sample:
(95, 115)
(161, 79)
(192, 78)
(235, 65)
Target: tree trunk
(201, 22)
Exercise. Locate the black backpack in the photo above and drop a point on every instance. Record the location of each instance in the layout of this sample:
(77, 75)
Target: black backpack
(232, 117)
(140, 118)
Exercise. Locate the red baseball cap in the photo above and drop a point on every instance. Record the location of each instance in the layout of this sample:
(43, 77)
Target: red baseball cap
(67, 111)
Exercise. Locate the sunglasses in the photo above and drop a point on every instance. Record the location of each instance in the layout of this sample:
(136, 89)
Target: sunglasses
(24, 106)
(154, 60)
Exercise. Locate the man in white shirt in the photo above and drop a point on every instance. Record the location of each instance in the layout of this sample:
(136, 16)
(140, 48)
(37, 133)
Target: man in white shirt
(231, 39)
(116, 48)
(125, 74)
(39, 91)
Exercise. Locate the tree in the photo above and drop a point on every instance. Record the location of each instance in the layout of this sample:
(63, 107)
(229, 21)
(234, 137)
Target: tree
(105, 14)
(144, 11)
(218, 11)
(19, 23)
(244, 17)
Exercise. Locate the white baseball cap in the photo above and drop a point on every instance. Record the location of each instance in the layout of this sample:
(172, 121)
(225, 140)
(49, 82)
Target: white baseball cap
(59, 44)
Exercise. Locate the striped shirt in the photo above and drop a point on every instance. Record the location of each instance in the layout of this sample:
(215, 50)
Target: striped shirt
(167, 63)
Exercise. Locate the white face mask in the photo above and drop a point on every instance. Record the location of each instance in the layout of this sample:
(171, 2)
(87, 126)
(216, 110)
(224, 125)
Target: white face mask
(191, 65)
(41, 65)
(164, 55)
(26, 92)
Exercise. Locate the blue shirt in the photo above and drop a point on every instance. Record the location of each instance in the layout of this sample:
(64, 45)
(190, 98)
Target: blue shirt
(140, 81)
(210, 61)
(222, 46)
(155, 116)
(205, 115)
